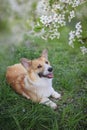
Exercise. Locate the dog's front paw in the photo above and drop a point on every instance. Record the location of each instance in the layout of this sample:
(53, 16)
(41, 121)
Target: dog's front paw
(56, 95)
(53, 105)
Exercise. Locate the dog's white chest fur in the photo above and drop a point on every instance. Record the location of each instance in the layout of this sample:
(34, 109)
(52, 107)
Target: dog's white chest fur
(41, 87)
(44, 87)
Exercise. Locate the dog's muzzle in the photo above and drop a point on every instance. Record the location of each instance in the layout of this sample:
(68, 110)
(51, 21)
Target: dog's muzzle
(50, 69)
(48, 75)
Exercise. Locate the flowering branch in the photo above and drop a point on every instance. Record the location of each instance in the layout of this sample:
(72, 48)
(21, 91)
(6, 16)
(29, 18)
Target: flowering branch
(56, 14)
(75, 34)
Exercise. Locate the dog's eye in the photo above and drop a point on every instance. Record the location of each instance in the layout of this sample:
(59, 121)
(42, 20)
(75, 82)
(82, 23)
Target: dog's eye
(39, 66)
(46, 62)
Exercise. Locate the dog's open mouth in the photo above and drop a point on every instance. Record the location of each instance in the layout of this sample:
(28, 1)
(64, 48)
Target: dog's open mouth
(50, 75)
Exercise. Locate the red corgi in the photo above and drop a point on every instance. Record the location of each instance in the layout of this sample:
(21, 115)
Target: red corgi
(33, 79)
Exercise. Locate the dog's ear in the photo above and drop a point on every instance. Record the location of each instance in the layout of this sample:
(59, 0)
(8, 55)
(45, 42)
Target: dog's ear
(45, 53)
(26, 63)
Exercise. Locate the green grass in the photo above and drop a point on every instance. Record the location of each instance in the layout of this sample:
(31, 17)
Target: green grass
(70, 71)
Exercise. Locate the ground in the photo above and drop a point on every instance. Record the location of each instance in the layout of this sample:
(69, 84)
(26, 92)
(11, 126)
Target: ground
(70, 79)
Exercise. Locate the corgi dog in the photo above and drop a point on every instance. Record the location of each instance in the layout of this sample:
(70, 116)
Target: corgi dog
(33, 79)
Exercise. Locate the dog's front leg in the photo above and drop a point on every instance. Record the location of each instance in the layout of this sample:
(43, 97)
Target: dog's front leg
(56, 95)
(48, 102)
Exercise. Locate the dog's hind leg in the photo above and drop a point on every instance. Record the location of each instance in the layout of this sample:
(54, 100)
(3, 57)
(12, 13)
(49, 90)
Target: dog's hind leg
(25, 95)
(48, 102)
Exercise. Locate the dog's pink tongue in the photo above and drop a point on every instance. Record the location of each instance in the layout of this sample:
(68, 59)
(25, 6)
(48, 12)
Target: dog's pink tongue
(50, 75)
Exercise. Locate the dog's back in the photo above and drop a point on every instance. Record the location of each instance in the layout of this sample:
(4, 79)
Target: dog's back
(14, 71)
(15, 75)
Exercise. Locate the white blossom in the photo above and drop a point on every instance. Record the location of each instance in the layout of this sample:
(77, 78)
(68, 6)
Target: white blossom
(56, 6)
(71, 38)
(72, 35)
(83, 49)
(43, 7)
(65, 1)
(71, 15)
(76, 3)
(75, 34)
(78, 29)
(78, 25)
(73, 3)
(54, 34)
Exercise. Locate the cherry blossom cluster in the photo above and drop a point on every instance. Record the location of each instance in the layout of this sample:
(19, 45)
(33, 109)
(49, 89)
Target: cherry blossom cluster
(55, 15)
(53, 23)
(75, 34)
(83, 49)
(73, 3)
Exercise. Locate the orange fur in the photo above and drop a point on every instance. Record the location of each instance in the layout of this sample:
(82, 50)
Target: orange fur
(33, 79)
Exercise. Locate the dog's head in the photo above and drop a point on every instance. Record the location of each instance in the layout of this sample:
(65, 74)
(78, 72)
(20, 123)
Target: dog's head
(40, 67)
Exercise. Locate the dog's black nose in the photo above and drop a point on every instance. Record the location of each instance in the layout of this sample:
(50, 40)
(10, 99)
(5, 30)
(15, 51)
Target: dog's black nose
(50, 69)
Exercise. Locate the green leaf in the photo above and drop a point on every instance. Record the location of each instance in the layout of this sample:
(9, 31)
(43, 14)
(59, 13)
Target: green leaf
(37, 28)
